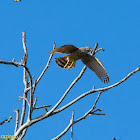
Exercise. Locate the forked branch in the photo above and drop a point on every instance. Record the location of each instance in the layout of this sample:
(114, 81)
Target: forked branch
(95, 90)
(73, 122)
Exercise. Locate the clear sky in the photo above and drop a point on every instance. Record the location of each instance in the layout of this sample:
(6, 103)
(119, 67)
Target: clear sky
(114, 24)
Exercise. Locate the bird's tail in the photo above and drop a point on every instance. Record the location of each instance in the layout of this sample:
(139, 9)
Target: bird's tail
(64, 63)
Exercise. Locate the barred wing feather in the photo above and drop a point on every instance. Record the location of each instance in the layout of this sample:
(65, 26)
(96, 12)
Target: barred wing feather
(95, 65)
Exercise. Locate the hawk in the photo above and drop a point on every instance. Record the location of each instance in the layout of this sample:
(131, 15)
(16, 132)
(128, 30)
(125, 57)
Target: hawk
(75, 54)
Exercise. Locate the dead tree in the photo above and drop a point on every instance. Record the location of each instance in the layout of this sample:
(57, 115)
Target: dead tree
(21, 126)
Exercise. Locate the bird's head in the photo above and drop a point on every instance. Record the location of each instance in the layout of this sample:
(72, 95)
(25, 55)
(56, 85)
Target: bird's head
(88, 49)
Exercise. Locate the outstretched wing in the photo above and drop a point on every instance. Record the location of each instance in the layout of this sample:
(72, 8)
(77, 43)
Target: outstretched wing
(95, 65)
(65, 49)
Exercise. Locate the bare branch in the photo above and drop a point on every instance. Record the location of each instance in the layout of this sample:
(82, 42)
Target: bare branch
(46, 109)
(34, 86)
(95, 90)
(99, 50)
(23, 134)
(93, 112)
(46, 67)
(35, 102)
(42, 106)
(17, 119)
(97, 114)
(11, 63)
(23, 109)
(26, 70)
(31, 96)
(93, 52)
(24, 44)
(72, 126)
(25, 80)
(20, 97)
(67, 128)
(73, 122)
(6, 120)
(93, 107)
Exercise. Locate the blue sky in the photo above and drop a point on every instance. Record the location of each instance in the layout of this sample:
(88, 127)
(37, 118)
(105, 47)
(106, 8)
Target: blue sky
(114, 24)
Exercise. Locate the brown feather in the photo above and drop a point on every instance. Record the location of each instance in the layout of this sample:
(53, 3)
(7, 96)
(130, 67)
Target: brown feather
(61, 62)
(67, 49)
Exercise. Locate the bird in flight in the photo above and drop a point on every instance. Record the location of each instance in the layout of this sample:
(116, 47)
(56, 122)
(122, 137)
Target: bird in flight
(75, 54)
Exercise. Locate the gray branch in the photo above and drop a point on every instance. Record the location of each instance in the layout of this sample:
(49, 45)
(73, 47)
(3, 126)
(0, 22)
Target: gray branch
(95, 90)
(42, 106)
(46, 67)
(25, 80)
(24, 99)
(99, 50)
(67, 128)
(17, 119)
(73, 122)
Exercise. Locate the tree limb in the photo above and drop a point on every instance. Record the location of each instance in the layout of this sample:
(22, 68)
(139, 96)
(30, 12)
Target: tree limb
(95, 90)
(25, 80)
(17, 119)
(35, 102)
(20, 97)
(67, 128)
(46, 67)
(99, 50)
(73, 122)
(42, 106)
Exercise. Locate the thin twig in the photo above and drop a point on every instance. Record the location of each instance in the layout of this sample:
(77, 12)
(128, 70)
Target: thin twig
(93, 112)
(11, 63)
(93, 107)
(34, 86)
(23, 41)
(31, 97)
(73, 122)
(6, 120)
(35, 102)
(42, 106)
(47, 65)
(20, 97)
(72, 126)
(46, 109)
(67, 128)
(99, 50)
(93, 52)
(17, 119)
(97, 114)
(32, 91)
